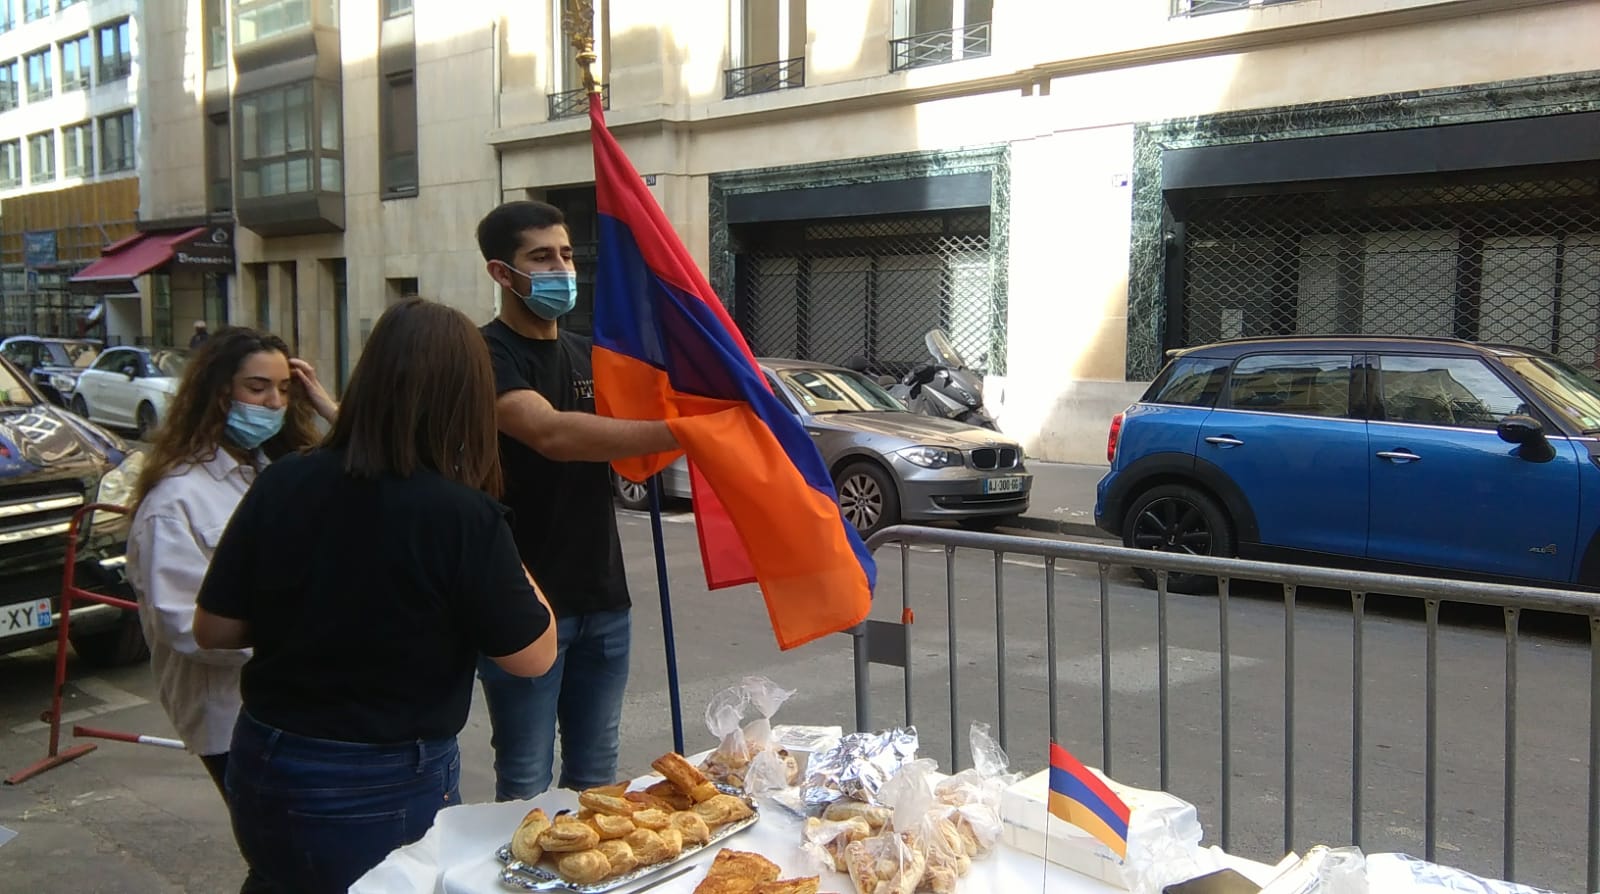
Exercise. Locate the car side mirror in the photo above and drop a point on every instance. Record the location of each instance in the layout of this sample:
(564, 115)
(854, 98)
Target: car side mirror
(130, 374)
(1526, 432)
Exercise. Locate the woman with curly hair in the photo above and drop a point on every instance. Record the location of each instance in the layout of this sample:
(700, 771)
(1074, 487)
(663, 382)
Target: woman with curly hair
(242, 402)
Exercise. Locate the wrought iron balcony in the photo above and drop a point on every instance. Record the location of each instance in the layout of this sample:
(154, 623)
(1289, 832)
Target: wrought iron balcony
(939, 47)
(1203, 7)
(573, 103)
(764, 78)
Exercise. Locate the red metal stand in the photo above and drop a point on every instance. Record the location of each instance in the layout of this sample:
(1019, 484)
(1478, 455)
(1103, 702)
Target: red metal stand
(70, 593)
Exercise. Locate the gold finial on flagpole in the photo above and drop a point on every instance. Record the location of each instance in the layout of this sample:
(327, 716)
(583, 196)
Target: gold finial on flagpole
(578, 20)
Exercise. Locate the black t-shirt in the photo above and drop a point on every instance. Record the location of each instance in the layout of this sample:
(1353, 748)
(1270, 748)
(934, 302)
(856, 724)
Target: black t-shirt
(368, 599)
(561, 512)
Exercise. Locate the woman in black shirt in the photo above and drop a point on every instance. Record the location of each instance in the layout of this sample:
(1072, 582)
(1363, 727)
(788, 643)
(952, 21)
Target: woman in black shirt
(367, 575)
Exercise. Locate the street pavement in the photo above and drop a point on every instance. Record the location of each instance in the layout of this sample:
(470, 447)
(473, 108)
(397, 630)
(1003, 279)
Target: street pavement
(129, 818)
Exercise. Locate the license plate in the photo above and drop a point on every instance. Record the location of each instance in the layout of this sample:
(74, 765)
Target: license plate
(1002, 485)
(23, 617)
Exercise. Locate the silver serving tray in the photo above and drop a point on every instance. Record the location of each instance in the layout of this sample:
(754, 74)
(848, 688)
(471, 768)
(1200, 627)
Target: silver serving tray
(525, 877)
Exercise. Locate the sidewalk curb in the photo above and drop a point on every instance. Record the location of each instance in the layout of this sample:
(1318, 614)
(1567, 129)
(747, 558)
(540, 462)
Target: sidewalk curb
(1052, 526)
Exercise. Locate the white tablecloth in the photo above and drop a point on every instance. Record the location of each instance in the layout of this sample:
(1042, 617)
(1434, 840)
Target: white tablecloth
(458, 857)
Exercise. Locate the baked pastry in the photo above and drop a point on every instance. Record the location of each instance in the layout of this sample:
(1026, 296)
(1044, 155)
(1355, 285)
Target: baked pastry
(619, 855)
(790, 886)
(607, 804)
(737, 872)
(692, 827)
(525, 841)
(652, 818)
(569, 835)
(645, 800)
(673, 839)
(671, 795)
(832, 837)
(876, 817)
(584, 867)
(884, 865)
(685, 776)
(610, 827)
(723, 809)
(650, 847)
(615, 790)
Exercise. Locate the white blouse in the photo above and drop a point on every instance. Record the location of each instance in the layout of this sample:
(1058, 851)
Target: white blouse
(174, 532)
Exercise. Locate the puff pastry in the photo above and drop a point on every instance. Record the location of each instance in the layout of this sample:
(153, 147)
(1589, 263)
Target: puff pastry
(790, 886)
(525, 841)
(646, 800)
(610, 827)
(722, 809)
(619, 856)
(615, 790)
(673, 839)
(737, 872)
(652, 818)
(692, 827)
(606, 804)
(584, 867)
(649, 847)
(569, 836)
(686, 777)
(876, 817)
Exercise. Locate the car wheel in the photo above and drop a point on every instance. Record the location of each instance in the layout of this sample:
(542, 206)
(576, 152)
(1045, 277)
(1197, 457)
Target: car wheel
(631, 494)
(868, 499)
(120, 645)
(1177, 518)
(80, 406)
(147, 422)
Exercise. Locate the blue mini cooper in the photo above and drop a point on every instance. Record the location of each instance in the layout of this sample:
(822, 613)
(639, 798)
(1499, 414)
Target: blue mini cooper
(1421, 456)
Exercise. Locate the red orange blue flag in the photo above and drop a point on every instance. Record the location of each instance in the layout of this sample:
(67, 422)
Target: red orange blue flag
(1081, 798)
(666, 348)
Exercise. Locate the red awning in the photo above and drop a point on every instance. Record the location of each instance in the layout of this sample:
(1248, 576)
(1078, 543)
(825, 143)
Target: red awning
(135, 256)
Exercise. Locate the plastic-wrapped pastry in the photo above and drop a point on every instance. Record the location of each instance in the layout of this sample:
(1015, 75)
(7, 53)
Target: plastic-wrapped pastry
(722, 809)
(651, 818)
(827, 839)
(584, 867)
(692, 826)
(525, 841)
(876, 817)
(884, 864)
(568, 836)
(619, 855)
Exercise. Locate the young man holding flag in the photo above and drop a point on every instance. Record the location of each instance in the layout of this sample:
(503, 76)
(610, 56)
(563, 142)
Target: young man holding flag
(554, 452)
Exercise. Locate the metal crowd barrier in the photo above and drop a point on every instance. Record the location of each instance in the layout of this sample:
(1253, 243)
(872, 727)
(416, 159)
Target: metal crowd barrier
(889, 643)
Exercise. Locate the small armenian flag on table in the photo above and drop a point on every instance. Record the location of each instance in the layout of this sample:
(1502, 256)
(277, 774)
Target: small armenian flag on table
(1081, 798)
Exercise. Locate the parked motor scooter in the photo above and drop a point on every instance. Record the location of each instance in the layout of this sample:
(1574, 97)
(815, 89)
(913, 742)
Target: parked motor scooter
(946, 387)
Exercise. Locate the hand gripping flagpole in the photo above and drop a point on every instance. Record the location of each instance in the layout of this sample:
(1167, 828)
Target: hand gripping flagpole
(578, 19)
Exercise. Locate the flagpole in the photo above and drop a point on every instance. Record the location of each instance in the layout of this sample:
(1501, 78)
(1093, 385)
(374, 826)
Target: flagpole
(578, 19)
(662, 588)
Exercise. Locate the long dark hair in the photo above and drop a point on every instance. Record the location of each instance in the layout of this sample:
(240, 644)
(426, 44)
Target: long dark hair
(197, 418)
(422, 396)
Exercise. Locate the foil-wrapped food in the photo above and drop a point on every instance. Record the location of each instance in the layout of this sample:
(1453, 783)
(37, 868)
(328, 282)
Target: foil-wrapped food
(858, 766)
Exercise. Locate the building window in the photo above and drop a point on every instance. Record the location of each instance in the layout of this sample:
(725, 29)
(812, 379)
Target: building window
(393, 8)
(769, 52)
(116, 53)
(276, 152)
(42, 157)
(401, 288)
(932, 32)
(219, 163)
(216, 25)
(11, 163)
(258, 20)
(117, 142)
(34, 10)
(66, 3)
(1201, 7)
(399, 144)
(75, 62)
(6, 21)
(77, 150)
(8, 83)
(260, 280)
(39, 76)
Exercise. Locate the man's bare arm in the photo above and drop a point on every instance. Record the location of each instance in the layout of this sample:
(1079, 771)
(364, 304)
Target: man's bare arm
(568, 437)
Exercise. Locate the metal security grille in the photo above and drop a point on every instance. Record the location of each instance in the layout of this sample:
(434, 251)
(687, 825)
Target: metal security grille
(1511, 259)
(833, 290)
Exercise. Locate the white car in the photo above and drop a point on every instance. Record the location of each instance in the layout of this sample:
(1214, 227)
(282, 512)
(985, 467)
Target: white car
(129, 388)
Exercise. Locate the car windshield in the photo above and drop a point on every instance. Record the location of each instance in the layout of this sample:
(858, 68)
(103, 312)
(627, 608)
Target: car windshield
(13, 391)
(1571, 393)
(169, 363)
(77, 354)
(837, 391)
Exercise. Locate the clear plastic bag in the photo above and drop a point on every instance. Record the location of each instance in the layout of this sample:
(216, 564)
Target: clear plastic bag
(1164, 849)
(741, 719)
(884, 864)
(824, 841)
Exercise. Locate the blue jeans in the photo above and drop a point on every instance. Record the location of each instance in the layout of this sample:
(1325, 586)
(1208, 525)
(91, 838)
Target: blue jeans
(583, 690)
(313, 815)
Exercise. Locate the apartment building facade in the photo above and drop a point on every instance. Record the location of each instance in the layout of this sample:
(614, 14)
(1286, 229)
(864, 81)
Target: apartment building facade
(1069, 189)
(68, 155)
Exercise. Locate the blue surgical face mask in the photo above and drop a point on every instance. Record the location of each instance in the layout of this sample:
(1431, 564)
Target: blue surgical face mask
(551, 293)
(251, 425)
